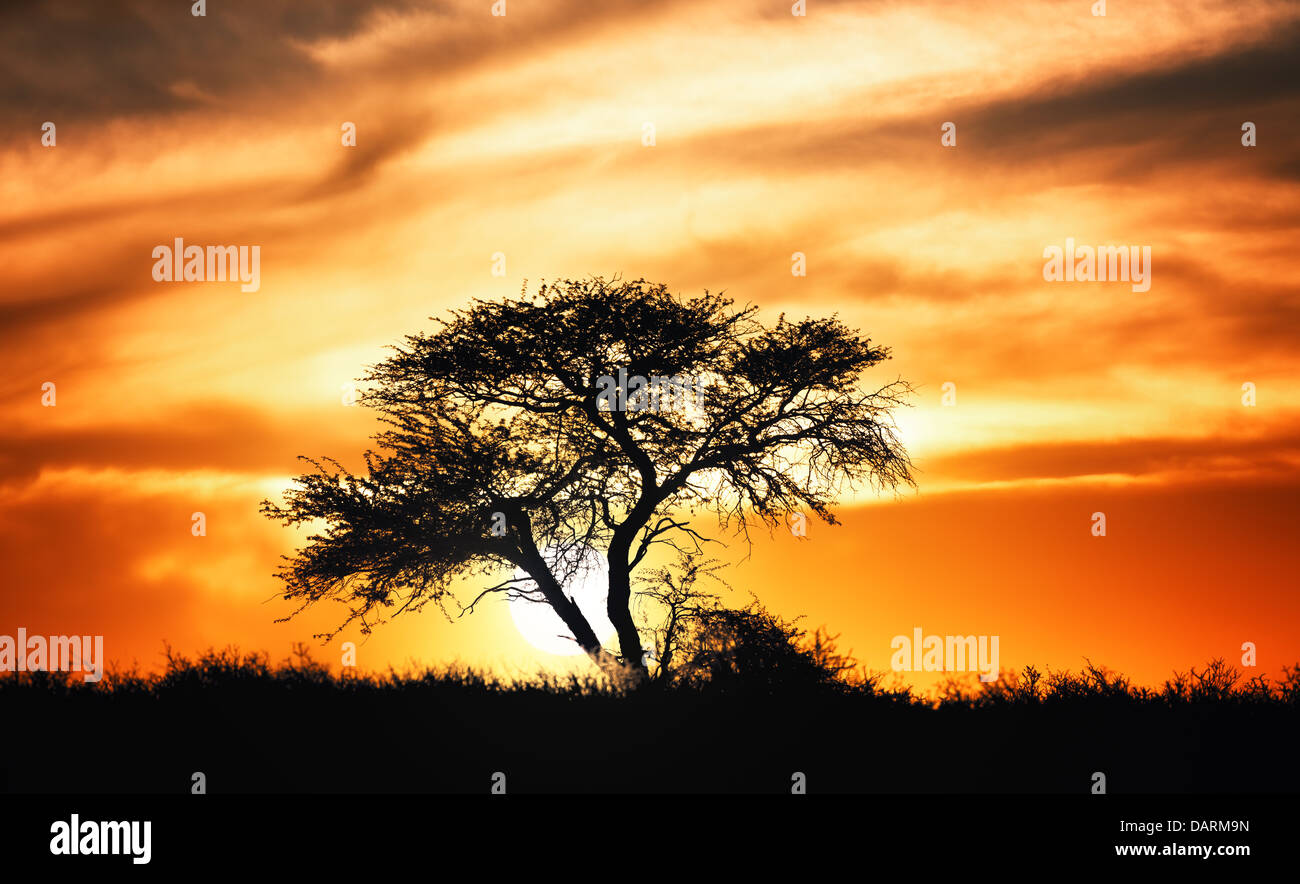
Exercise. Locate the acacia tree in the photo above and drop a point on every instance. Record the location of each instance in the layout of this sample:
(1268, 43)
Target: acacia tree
(529, 432)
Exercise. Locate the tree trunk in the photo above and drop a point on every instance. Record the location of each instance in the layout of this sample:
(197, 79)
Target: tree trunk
(619, 608)
(569, 612)
(620, 673)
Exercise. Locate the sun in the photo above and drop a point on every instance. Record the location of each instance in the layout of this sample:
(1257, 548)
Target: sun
(588, 586)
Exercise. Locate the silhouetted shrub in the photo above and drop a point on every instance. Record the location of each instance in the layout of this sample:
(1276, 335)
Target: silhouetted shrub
(750, 649)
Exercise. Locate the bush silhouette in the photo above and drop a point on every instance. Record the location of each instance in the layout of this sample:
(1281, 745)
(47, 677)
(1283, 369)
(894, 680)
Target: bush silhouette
(751, 649)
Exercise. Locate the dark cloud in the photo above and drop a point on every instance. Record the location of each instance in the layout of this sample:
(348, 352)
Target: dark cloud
(75, 62)
(199, 436)
(72, 290)
(63, 59)
(1266, 455)
(1177, 112)
(390, 137)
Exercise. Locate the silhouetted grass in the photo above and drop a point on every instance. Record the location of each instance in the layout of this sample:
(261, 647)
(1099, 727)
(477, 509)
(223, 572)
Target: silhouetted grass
(251, 726)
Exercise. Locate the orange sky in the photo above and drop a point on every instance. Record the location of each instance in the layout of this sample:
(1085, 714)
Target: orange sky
(773, 134)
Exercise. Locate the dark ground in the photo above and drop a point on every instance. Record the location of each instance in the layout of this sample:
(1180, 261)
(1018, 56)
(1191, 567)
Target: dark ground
(253, 729)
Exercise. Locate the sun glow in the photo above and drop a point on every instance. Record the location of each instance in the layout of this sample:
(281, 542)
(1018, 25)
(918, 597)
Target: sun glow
(587, 584)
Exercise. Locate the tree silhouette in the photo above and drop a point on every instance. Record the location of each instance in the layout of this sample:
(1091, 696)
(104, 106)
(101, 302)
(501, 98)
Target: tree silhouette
(594, 415)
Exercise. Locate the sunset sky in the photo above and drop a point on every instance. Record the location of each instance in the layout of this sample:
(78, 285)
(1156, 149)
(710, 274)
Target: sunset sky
(773, 134)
